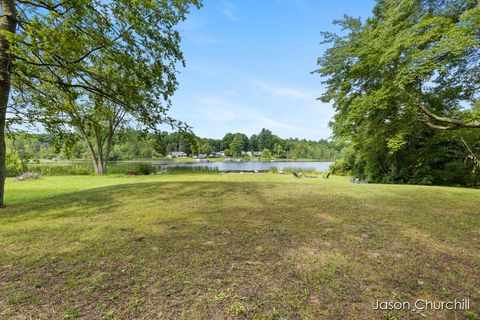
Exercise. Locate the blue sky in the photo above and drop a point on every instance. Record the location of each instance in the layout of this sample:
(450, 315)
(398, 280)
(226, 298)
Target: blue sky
(249, 64)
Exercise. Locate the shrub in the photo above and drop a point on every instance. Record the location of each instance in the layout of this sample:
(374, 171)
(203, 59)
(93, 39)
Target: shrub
(266, 154)
(15, 165)
(145, 168)
(341, 168)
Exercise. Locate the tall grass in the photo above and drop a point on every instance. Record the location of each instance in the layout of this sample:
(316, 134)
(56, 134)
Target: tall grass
(294, 169)
(188, 169)
(58, 170)
(127, 168)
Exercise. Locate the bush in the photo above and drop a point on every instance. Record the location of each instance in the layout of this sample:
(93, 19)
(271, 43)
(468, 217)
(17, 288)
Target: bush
(15, 165)
(266, 154)
(340, 168)
(454, 173)
(145, 169)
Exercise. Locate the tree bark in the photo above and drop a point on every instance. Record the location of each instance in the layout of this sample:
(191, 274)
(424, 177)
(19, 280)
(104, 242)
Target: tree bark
(90, 148)
(8, 23)
(100, 154)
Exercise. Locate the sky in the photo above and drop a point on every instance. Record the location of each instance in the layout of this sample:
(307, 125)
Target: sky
(249, 63)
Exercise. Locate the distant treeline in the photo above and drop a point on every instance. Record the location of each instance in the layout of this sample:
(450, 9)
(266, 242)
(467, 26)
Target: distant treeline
(132, 144)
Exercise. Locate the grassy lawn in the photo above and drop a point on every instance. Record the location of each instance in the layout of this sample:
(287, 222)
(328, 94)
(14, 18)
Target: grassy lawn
(234, 246)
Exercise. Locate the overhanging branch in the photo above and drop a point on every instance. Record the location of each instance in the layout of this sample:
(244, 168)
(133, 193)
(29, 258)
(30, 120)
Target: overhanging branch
(454, 123)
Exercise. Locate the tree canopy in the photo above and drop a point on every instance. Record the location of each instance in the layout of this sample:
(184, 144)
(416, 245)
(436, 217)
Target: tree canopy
(395, 79)
(83, 66)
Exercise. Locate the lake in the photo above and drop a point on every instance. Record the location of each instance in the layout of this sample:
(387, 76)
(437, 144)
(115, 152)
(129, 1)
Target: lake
(251, 165)
(319, 166)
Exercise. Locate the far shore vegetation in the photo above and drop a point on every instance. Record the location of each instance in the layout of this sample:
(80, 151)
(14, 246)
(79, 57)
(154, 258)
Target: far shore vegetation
(29, 151)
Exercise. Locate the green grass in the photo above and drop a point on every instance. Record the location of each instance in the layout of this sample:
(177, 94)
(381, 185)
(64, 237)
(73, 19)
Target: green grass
(238, 246)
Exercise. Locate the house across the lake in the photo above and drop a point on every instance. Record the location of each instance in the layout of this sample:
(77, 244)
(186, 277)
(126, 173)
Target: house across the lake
(217, 154)
(257, 153)
(177, 154)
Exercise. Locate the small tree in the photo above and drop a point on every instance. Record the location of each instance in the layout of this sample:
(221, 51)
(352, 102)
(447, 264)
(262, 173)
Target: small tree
(266, 154)
(205, 147)
(227, 152)
(280, 151)
(237, 145)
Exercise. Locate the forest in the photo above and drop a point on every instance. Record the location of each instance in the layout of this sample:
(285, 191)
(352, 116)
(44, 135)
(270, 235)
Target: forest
(133, 144)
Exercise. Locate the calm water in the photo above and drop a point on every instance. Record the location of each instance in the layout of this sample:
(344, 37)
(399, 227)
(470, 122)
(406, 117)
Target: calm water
(239, 166)
(221, 165)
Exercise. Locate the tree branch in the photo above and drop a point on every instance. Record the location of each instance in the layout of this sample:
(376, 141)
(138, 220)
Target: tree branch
(455, 123)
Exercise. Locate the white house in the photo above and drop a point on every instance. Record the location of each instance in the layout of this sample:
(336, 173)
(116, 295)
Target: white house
(257, 153)
(178, 154)
(217, 154)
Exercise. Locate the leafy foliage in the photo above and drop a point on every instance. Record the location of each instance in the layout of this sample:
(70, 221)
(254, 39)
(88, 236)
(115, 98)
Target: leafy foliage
(91, 67)
(15, 165)
(398, 77)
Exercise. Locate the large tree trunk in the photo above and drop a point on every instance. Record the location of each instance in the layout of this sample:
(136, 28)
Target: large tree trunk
(101, 165)
(100, 155)
(8, 22)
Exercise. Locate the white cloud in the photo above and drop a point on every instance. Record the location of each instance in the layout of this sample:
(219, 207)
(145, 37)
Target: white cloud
(216, 109)
(193, 28)
(192, 23)
(287, 111)
(280, 91)
(224, 112)
(200, 38)
(228, 10)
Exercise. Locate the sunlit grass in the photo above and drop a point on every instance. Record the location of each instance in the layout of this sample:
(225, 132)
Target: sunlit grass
(217, 246)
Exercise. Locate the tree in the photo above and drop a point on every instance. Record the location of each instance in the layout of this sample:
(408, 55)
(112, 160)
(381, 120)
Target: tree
(205, 147)
(443, 71)
(266, 154)
(134, 144)
(228, 152)
(8, 25)
(123, 51)
(253, 143)
(95, 120)
(413, 62)
(160, 144)
(280, 151)
(227, 139)
(265, 139)
(238, 144)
